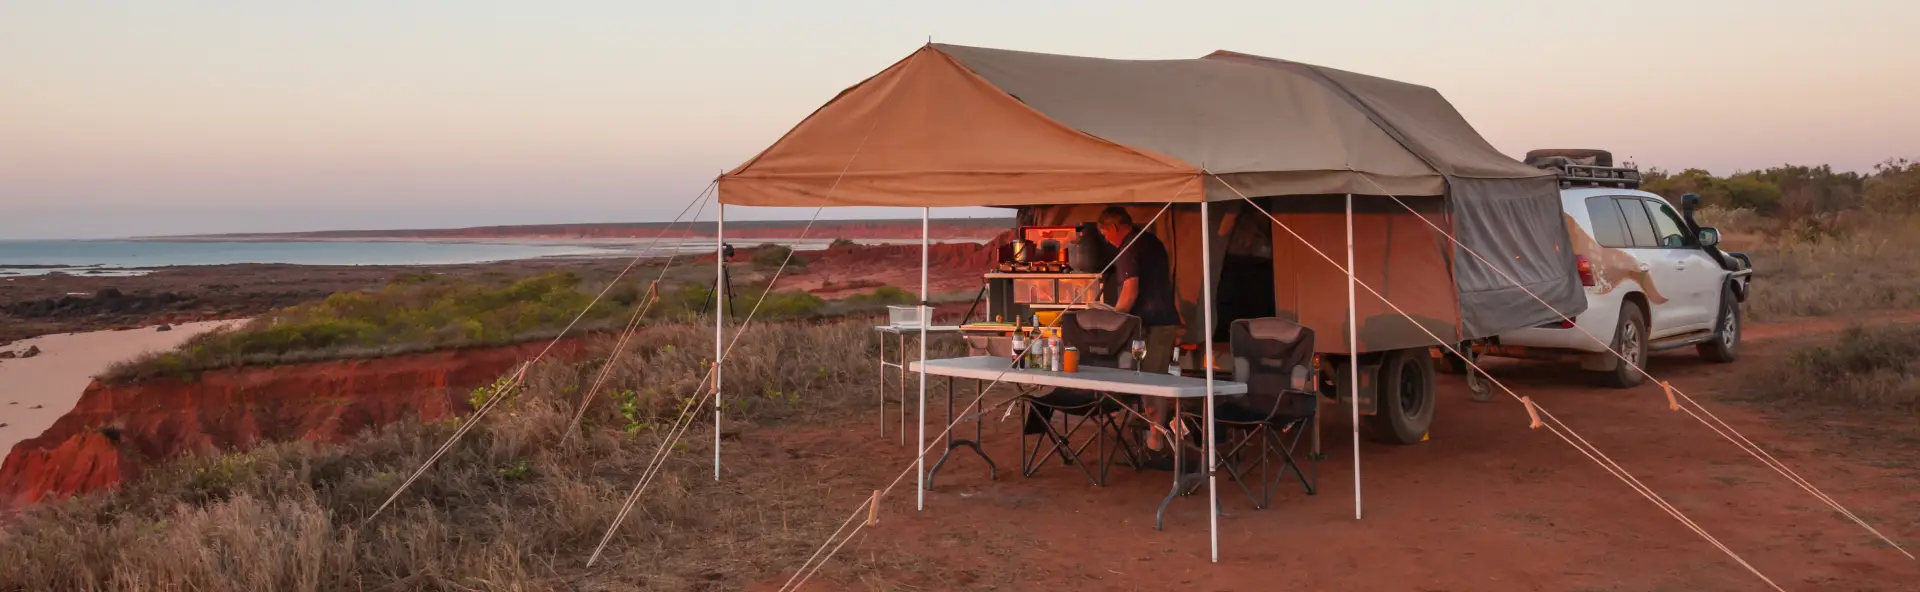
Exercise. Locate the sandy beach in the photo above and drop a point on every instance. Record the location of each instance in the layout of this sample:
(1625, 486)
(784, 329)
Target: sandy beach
(38, 390)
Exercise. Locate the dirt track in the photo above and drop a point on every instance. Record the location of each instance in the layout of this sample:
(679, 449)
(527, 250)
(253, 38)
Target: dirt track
(1488, 504)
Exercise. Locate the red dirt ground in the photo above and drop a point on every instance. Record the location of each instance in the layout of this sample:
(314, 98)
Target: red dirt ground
(1487, 504)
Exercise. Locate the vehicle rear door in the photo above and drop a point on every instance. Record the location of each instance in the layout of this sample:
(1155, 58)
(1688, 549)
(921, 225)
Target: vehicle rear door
(1694, 282)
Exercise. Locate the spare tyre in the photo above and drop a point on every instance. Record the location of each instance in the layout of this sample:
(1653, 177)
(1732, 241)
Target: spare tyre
(1579, 156)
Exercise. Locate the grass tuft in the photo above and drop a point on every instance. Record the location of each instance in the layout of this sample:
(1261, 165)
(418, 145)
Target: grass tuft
(1870, 369)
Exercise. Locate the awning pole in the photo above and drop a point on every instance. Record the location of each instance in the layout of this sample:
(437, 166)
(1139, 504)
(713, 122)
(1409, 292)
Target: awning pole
(926, 317)
(1353, 359)
(719, 317)
(1206, 343)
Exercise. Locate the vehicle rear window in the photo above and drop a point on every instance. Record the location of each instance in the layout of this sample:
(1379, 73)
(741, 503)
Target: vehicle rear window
(1609, 228)
(1638, 225)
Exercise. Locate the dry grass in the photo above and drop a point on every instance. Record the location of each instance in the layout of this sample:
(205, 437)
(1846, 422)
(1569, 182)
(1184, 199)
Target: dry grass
(1872, 370)
(510, 507)
(1835, 265)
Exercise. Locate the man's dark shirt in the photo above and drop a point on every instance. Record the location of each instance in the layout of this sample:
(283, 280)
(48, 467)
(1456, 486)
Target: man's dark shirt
(1146, 260)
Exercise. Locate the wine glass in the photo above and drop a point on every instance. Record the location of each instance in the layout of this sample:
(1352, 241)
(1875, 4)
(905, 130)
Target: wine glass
(1139, 352)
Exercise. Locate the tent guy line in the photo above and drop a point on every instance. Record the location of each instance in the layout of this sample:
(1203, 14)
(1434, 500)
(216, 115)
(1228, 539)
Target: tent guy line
(712, 377)
(633, 324)
(1602, 459)
(1558, 427)
(680, 423)
(520, 376)
(1743, 443)
(720, 356)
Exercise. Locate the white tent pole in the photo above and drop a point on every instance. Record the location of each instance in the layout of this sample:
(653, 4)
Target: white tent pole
(926, 317)
(1206, 343)
(1353, 359)
(719, 317)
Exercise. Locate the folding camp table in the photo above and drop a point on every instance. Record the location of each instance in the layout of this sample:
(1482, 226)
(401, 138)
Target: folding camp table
(1098, 379)
(899, 334)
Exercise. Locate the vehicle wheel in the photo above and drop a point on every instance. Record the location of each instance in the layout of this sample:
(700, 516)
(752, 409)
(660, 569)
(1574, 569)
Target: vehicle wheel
(1405, 398)
(1630, 339)
(1725, 346)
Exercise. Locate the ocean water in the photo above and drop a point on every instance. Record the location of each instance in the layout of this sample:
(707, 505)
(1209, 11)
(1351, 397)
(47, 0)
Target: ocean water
(120, 257)
(129, 257)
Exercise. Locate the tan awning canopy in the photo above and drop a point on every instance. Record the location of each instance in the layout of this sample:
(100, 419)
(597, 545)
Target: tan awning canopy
(963, 126)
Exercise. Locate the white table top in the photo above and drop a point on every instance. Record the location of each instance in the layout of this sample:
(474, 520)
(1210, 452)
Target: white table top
(932, 329)
(1094, 378)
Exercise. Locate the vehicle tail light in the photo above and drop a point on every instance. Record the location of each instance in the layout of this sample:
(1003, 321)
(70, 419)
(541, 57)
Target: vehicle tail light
(1586, 269)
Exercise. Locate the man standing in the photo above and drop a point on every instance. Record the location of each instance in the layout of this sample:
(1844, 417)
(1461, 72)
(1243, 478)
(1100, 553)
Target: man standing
(1140, 283)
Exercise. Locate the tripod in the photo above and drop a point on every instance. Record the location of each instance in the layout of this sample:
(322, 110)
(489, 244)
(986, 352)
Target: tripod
(726, 273)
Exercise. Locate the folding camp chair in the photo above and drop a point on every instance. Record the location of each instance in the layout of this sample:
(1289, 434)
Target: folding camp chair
(1273, 358)
(1101, 337)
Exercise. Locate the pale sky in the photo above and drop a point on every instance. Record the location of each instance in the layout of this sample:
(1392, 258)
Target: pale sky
(136, 118)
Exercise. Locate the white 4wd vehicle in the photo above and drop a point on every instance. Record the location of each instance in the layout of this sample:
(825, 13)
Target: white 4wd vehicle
(1655, 280)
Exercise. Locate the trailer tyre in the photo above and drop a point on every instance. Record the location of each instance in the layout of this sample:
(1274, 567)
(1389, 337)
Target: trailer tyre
(1405, 399)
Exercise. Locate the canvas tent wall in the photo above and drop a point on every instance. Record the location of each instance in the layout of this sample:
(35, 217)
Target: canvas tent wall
(1394, 252)
(960, 126)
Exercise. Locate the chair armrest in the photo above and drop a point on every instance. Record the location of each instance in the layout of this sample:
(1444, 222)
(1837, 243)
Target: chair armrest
(1301, 376)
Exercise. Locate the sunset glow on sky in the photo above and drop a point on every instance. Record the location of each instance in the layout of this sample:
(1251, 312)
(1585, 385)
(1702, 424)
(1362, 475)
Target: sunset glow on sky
(124, 119)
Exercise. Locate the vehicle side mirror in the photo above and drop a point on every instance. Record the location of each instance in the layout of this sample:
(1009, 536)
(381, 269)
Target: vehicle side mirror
(1709, 237)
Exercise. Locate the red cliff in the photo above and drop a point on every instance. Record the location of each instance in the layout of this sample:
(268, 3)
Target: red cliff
(115, 430)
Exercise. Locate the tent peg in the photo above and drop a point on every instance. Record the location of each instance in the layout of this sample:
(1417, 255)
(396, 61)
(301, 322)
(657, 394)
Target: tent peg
(1533, 414)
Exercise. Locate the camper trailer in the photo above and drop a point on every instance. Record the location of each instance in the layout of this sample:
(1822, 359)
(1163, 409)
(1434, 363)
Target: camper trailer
(1365, 209)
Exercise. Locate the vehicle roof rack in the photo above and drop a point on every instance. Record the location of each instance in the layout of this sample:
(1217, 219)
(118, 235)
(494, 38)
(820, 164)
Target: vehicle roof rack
(1585, 168)
(1580, 175)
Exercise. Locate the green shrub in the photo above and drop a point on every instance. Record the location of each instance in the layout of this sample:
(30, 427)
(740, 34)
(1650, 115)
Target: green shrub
(881, 296)
(770, 256)
(789, 304)
(413, 313)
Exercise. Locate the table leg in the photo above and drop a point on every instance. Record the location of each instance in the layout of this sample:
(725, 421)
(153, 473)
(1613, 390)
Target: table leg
(1173, 440)
(993, 470)
(901, 348)
(880, 388)
(1184, 483)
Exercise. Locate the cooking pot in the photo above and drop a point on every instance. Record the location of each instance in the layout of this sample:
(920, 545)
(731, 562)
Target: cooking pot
(1023, 251)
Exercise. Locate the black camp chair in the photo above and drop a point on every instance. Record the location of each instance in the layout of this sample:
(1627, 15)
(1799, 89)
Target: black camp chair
(1273, 357)
(1101, 337)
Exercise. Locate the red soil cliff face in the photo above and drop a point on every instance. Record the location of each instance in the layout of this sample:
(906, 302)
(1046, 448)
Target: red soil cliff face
(116, 430)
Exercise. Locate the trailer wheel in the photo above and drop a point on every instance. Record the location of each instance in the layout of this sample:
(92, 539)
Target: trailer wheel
(1405, 398)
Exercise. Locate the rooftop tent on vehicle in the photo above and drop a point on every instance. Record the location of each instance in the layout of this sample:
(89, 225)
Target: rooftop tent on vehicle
(1062, 136)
